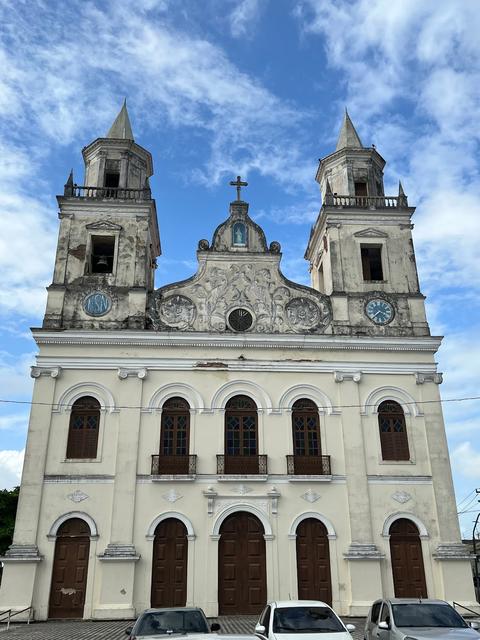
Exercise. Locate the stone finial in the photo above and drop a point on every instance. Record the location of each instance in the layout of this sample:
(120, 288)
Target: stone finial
(402, 198)
(348, 137)
(121, 128)
(68, 187)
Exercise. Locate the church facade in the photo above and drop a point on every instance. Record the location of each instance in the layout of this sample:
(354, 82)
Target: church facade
(234, 437)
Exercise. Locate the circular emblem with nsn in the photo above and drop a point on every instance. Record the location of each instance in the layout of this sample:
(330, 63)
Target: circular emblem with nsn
(240, 320)
(379, 311)
(97, 304)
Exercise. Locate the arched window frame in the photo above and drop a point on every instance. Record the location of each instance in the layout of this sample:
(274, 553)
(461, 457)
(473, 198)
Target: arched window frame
(393, 449)
(245, 451)
(309, 410)
(83, 446)
(174, 449)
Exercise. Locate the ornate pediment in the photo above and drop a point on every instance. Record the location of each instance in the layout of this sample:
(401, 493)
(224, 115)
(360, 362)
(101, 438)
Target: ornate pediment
(104, 225)
(239, 295)
(370, 233)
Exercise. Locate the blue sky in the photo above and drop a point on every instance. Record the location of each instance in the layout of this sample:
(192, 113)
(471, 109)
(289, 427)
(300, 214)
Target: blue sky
(257, 87)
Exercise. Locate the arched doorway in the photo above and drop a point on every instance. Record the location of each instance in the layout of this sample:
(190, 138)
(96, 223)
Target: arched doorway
(407, 560)
(242, 573)
(313, 561)
(70, 568)
(169, 566)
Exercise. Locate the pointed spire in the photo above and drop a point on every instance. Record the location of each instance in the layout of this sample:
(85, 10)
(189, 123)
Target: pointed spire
(328, 199)
(348, 137)
(402, 198)
(68, 187)
(121, 128)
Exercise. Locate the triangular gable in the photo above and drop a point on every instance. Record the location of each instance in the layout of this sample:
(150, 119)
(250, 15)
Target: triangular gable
(104, 226)
(370, 233)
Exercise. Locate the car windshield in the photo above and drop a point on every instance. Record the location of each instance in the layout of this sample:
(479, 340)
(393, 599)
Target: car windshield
(160, 622)
(306, 620)
(426, 615)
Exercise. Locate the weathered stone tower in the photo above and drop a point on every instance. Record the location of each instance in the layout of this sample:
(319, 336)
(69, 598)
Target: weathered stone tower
(361, 250)
(108, 238)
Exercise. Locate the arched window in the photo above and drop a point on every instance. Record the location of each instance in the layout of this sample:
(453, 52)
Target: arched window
(393, 431)
(241, 435)
(307, 449)
(175, 436)
(83, 428)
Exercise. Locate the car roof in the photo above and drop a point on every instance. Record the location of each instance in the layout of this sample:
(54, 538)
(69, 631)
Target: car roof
(415, 601)
(298, 603)
(161, 609)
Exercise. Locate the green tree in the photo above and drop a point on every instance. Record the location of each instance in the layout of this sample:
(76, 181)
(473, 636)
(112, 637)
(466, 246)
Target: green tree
(8, 509)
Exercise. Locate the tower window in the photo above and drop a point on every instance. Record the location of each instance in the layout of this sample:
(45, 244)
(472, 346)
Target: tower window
(372, 263)
(101, 254)
(361, 189)
(112, 179)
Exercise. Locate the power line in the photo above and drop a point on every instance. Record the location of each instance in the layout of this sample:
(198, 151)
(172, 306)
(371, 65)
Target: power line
(333, 407)
(459, 504)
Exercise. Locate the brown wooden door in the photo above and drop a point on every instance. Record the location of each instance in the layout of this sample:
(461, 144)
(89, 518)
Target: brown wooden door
(242, 574)
(70, 568)
(169, 569)
(313, 561)
(407, 560)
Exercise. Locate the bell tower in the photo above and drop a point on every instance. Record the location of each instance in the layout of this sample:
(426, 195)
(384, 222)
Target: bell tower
(361, 250)
(108, 240)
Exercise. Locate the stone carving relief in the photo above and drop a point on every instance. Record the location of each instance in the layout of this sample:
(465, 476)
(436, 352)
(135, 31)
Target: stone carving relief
(310, 496)
(401, 496)
(77, 496)
(177, 311)
(304, 314)
(172, 496)
(204, 302)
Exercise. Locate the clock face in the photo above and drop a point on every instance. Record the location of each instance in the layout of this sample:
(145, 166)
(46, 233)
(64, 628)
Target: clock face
(379, 311)
(97, 304)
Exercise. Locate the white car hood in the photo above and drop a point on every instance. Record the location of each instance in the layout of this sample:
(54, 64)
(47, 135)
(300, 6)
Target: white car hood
(329, 635)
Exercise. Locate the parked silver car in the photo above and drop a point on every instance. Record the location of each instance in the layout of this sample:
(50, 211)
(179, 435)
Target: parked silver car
(415, 619)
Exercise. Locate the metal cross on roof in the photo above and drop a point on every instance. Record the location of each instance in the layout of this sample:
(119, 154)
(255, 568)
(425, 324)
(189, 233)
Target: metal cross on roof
(239, 184)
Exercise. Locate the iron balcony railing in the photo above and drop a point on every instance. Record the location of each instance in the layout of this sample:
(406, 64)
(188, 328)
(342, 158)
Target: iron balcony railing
(106, 193)
(366, 202)
(308, 466)
(164, 465)
(241, 465)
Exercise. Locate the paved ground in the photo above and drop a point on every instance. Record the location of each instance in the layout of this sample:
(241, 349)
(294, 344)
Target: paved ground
(115, 630)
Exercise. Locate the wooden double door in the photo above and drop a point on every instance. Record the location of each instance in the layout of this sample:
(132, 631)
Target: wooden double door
(70, 569)
(169, 567)
(407, 560)
(313, 561)
(242, 574)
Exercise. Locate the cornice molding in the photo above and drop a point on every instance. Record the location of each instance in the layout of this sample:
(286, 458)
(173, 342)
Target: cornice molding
(244, 341)
(341, 370)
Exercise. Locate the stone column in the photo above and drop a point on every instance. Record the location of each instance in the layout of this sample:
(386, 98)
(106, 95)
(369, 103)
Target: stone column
(362, 554)
(453, 559)
(120, 556)
(23, 555)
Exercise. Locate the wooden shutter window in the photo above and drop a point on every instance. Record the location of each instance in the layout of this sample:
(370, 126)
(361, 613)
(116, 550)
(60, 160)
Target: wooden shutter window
(393, 431)
(83, 429)
(175, 429)
(306, 429)
(241, 427)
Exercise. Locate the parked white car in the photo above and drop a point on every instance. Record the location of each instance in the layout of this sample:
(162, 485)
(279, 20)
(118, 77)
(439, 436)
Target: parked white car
(416, 619)
(288, 619)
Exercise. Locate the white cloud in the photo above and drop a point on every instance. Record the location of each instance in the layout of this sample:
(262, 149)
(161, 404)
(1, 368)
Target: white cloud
(15, 380)
(14, 422)
(244, 16)
(11, 463)
(466, 461)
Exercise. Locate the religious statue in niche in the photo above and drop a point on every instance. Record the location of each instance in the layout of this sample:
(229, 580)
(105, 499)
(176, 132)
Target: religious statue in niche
(239, 235)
